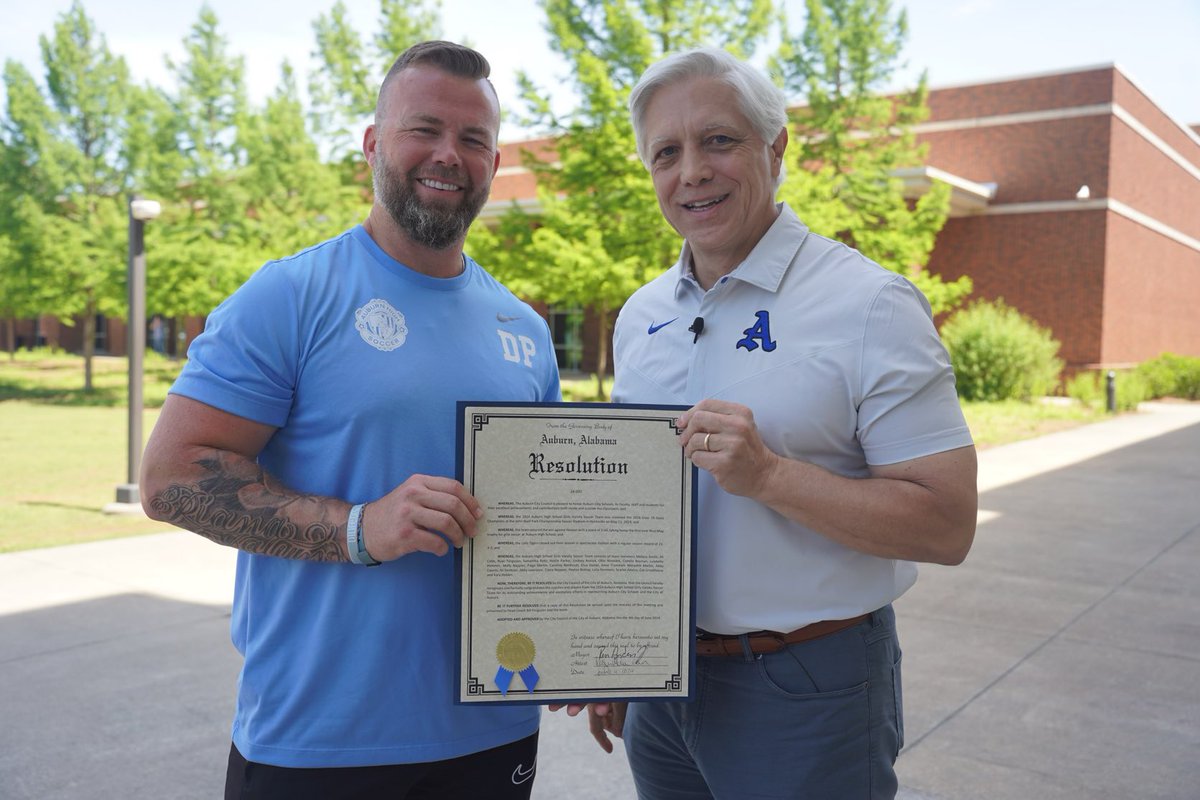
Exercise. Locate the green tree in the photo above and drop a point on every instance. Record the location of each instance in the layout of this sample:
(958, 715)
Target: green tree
(26, 229)
(344, 84)
(89, 91)
(211, 102)
(28, 174)
(35, 160)
(22, 246)
(296, 199)
(598, 234)
(203, 246)
(154, 131)
(850, 140)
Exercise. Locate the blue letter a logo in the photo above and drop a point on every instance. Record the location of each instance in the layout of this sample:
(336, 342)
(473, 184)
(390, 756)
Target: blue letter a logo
(760, 330)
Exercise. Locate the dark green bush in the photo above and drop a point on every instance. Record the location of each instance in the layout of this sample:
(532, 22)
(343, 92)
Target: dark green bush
(999, 353)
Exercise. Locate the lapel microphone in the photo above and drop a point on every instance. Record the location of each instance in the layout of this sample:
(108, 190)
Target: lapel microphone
(697, 328)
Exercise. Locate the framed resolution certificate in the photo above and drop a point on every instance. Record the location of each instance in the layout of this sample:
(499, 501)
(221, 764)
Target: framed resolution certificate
(577, 586)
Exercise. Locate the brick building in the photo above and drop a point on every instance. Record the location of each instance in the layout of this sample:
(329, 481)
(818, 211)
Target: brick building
(1075, 198)
(1093, 227)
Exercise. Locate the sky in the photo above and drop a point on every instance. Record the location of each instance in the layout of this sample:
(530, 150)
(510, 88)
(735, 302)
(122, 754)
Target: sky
(1155, 42)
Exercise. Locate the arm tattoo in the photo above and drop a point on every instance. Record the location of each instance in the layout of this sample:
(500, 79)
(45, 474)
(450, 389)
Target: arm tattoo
(236, 503)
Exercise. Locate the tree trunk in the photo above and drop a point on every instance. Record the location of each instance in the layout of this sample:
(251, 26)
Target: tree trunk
(10, 327)
(601, 351)
(179, 347)
(89, 339)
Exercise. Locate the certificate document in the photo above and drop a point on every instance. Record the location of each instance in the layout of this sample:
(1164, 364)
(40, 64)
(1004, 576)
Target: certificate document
(577, 586)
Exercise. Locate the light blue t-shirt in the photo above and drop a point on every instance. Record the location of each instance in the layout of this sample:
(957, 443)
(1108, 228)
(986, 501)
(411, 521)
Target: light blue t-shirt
(358, 361)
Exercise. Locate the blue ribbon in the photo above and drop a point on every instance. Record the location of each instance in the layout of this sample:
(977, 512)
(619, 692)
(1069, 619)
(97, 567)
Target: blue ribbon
(530, 676)
(504, 678)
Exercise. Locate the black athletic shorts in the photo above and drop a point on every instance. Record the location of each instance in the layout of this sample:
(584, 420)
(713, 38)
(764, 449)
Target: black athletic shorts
(502, 773)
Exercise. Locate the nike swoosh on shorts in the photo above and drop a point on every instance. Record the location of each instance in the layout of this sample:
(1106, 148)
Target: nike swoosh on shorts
(520, 776)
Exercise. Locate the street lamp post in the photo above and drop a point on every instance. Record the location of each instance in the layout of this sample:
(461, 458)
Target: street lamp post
(140, 211)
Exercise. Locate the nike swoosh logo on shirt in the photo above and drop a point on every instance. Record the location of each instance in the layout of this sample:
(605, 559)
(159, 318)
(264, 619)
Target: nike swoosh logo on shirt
(522, 775)
(656, 328)
(505, 318)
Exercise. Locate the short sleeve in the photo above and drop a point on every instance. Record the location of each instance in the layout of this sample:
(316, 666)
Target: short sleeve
(908, 404)
(553, 390)
(246, 360)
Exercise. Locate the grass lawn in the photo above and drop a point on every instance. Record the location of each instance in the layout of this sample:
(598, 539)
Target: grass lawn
(61, 466)
(1008, 421)
(57, 379)
(62, 451)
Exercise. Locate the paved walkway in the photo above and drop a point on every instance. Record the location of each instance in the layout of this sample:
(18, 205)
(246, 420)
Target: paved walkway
(1062, 660)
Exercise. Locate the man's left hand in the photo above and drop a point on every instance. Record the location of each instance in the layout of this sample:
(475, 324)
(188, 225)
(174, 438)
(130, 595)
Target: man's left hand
(603, 719)
(722, 438)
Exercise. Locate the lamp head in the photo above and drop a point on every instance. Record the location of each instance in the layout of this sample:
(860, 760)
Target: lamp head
(143, 210)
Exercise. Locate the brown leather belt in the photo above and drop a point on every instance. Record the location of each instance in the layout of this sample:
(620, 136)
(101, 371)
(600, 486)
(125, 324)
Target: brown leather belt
(711, 644)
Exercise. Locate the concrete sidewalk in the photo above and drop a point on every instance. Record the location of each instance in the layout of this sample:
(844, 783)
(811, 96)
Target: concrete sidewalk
(1062, 660)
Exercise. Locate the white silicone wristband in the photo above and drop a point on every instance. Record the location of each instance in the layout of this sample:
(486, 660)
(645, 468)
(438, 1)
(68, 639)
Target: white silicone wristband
(354, 538)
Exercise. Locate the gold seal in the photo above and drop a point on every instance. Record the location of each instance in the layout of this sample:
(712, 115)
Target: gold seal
(515, 651)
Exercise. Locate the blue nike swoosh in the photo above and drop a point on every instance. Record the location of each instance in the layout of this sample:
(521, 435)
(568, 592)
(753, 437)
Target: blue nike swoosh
(656, 328)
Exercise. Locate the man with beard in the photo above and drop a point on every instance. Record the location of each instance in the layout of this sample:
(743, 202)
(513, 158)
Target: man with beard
(313, 429)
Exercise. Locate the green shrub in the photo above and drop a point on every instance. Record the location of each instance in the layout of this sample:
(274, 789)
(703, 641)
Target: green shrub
(1132, 389)
(1087, 388)
(1170, 375)
(999, 353)
(1187, 383)
(1159, 377)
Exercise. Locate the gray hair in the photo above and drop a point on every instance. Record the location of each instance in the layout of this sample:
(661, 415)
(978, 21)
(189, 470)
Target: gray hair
(761, 101)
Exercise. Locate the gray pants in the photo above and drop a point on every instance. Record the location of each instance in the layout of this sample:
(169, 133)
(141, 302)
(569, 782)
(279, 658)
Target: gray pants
(821, 719)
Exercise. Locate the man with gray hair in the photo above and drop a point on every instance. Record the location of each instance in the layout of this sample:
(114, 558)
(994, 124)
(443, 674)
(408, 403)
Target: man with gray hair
(832, 452)
(313, 429)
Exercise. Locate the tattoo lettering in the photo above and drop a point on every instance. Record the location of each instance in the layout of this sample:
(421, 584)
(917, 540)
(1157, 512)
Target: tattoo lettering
(248, 509)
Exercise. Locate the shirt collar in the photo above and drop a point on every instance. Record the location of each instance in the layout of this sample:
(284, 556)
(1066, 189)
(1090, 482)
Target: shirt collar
(767, 263)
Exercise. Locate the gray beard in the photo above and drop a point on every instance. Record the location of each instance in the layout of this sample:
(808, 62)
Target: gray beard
(428, 225)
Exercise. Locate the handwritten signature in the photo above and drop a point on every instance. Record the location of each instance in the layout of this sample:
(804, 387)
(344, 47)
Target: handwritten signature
(622, 655)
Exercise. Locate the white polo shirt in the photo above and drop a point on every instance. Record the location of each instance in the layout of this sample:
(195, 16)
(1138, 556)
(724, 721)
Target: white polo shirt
(839, 360)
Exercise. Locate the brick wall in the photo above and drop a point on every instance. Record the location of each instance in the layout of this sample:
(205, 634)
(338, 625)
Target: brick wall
(1029, 161)
(1022, 95)
(1152, 295)
(1148, 181)
(1127, 95)
(1049, 266)
(513, 181)
(1145, 178)
(1111, 289)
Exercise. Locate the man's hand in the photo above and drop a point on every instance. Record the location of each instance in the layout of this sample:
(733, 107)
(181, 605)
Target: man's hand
(722, 438)
(424, 514)
(603, 719)
(922, 509)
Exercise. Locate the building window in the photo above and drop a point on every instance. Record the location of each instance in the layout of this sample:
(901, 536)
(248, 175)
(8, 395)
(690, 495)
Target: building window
(101, 340)
(566, 326)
